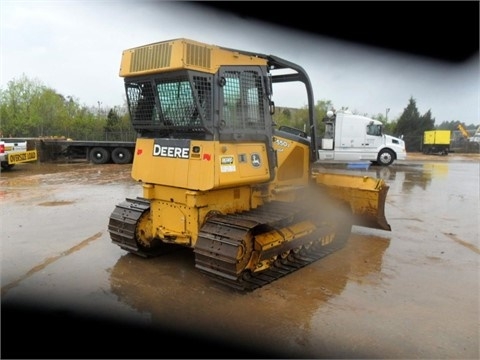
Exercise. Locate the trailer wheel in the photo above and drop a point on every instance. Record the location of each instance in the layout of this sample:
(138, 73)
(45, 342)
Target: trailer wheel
(99, 155)
(385, 157)
(121, 155)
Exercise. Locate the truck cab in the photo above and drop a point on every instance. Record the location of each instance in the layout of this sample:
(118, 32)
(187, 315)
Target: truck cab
(350, 137)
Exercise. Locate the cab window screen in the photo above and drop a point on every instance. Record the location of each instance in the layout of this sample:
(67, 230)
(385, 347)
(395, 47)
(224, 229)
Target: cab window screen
(243, 101)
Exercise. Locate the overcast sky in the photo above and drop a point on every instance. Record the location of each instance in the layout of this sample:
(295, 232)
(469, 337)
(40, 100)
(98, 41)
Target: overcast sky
(75, 48)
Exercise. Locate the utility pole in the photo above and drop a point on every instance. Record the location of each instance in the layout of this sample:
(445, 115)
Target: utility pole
(386, 114)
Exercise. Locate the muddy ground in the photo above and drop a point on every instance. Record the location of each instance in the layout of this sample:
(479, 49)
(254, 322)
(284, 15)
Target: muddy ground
(68, 292)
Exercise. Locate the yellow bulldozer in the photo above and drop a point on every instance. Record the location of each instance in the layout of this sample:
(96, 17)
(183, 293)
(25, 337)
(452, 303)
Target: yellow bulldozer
(220, 177)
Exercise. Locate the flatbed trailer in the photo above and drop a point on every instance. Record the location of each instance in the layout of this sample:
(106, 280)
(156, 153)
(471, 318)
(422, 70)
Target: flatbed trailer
(94, 151)
(97, 152)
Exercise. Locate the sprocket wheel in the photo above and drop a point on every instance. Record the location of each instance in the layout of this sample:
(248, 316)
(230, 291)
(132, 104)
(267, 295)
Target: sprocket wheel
(143, 231)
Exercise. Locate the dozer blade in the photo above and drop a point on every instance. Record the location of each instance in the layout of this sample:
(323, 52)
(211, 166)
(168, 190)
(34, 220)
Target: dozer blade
(365, 195)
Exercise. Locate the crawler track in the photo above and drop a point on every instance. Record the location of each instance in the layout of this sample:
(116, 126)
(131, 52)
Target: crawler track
(123, 223)
(224, 236)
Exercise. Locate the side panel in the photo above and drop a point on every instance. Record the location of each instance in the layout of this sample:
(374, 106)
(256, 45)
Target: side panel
(351, 140)
(443, 137)
(437, 137)
(293, 160)
(176, 163)
(429, 137)
(242, 164)
(352, 136)
(348, 154)
(199, 165)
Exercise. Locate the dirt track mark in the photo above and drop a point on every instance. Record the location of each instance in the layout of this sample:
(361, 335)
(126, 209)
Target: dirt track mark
(462, 242)
(56, 203)
(49, 261)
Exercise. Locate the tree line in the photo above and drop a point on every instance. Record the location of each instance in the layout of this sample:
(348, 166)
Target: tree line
(28, 108)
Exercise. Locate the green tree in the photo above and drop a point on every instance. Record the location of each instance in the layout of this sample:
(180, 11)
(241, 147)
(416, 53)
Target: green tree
(48, 113)
(298, 118)
(282, 116)
(411, 125)
(427, 122)
(447, 125)
(18, 104)
(118, 127)
(113, 121)
(30, 109)
(389, 126)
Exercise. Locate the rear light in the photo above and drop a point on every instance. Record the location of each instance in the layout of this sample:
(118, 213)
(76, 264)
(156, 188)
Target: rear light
(2, 148)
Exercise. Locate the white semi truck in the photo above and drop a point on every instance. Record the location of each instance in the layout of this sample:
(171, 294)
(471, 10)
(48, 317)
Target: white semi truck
(350, 137)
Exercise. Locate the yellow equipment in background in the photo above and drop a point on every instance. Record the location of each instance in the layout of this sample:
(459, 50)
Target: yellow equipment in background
(436, 142)
(464, 132)
(220, 178)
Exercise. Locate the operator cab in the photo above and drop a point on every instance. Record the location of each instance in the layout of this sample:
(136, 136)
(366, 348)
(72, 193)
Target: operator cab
(230, 105)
